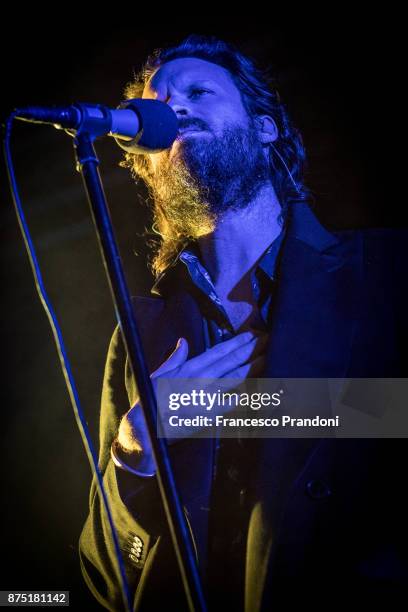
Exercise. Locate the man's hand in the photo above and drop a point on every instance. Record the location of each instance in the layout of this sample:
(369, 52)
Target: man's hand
(239, 357)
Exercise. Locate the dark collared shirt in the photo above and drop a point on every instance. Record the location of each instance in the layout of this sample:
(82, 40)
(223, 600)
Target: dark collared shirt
(233, 468)
(217, 325)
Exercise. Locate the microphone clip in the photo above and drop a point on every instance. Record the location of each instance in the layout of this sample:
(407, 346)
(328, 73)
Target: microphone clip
(94, 120)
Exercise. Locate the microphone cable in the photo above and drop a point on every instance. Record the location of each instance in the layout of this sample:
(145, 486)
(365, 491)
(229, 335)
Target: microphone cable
(63, 357)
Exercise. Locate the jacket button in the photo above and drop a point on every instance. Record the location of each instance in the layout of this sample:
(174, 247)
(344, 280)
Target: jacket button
(137, 541)
(318, 489)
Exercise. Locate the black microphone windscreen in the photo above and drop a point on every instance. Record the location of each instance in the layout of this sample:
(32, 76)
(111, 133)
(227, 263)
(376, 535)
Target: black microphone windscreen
(159, 126)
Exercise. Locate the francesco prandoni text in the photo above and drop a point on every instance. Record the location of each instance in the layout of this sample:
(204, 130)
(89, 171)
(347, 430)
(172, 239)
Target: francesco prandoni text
(282, 421)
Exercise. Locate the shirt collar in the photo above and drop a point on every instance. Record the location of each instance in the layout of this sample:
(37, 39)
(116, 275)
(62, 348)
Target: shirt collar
(190, 257)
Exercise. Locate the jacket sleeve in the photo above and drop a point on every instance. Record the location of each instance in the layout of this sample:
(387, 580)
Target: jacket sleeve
(135, 502)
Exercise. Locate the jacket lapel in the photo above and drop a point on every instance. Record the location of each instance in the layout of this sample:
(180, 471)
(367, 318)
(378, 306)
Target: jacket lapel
(316, 302)
(161, 322)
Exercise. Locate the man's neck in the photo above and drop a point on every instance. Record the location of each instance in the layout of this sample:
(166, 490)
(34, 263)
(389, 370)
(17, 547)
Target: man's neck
(240, 238)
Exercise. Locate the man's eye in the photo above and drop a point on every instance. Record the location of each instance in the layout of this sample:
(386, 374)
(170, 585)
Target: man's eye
(198, 91)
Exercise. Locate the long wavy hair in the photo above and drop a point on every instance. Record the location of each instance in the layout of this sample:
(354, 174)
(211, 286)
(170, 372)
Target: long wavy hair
(259, 96)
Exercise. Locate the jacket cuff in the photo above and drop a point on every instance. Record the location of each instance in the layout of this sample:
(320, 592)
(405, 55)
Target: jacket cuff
(132, 463)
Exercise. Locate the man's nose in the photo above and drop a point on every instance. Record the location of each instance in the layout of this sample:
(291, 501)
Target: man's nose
(179, 105)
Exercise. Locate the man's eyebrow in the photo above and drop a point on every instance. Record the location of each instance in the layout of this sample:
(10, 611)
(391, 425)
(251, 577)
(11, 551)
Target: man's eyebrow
(193, 81)
(190, 82)
(198, 81)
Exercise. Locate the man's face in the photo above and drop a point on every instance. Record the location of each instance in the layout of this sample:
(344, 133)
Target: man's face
(204, 97)
(217, 162)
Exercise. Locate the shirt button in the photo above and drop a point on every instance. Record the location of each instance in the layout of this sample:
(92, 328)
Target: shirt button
(233, 473)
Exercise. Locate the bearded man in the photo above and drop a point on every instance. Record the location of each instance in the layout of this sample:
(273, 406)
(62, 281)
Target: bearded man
(249, 284)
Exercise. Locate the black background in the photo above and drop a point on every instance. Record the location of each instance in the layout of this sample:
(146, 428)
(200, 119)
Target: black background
(340, 76)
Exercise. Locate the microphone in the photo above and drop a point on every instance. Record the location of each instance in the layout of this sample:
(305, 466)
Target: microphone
(138, 125)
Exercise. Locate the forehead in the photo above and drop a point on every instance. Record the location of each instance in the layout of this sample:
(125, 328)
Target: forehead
(182, 72)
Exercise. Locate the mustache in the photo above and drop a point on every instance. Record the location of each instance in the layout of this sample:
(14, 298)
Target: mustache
(193, 123)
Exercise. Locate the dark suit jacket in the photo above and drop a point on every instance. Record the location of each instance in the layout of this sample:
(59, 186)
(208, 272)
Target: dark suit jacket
(324, 518)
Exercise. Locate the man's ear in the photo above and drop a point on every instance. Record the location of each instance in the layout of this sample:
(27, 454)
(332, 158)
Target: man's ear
(267, 129)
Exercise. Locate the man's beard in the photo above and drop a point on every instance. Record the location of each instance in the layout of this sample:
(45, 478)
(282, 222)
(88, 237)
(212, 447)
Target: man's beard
(207, 177)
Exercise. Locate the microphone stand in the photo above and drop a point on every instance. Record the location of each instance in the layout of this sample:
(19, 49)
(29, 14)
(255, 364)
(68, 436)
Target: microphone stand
(87, 165)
